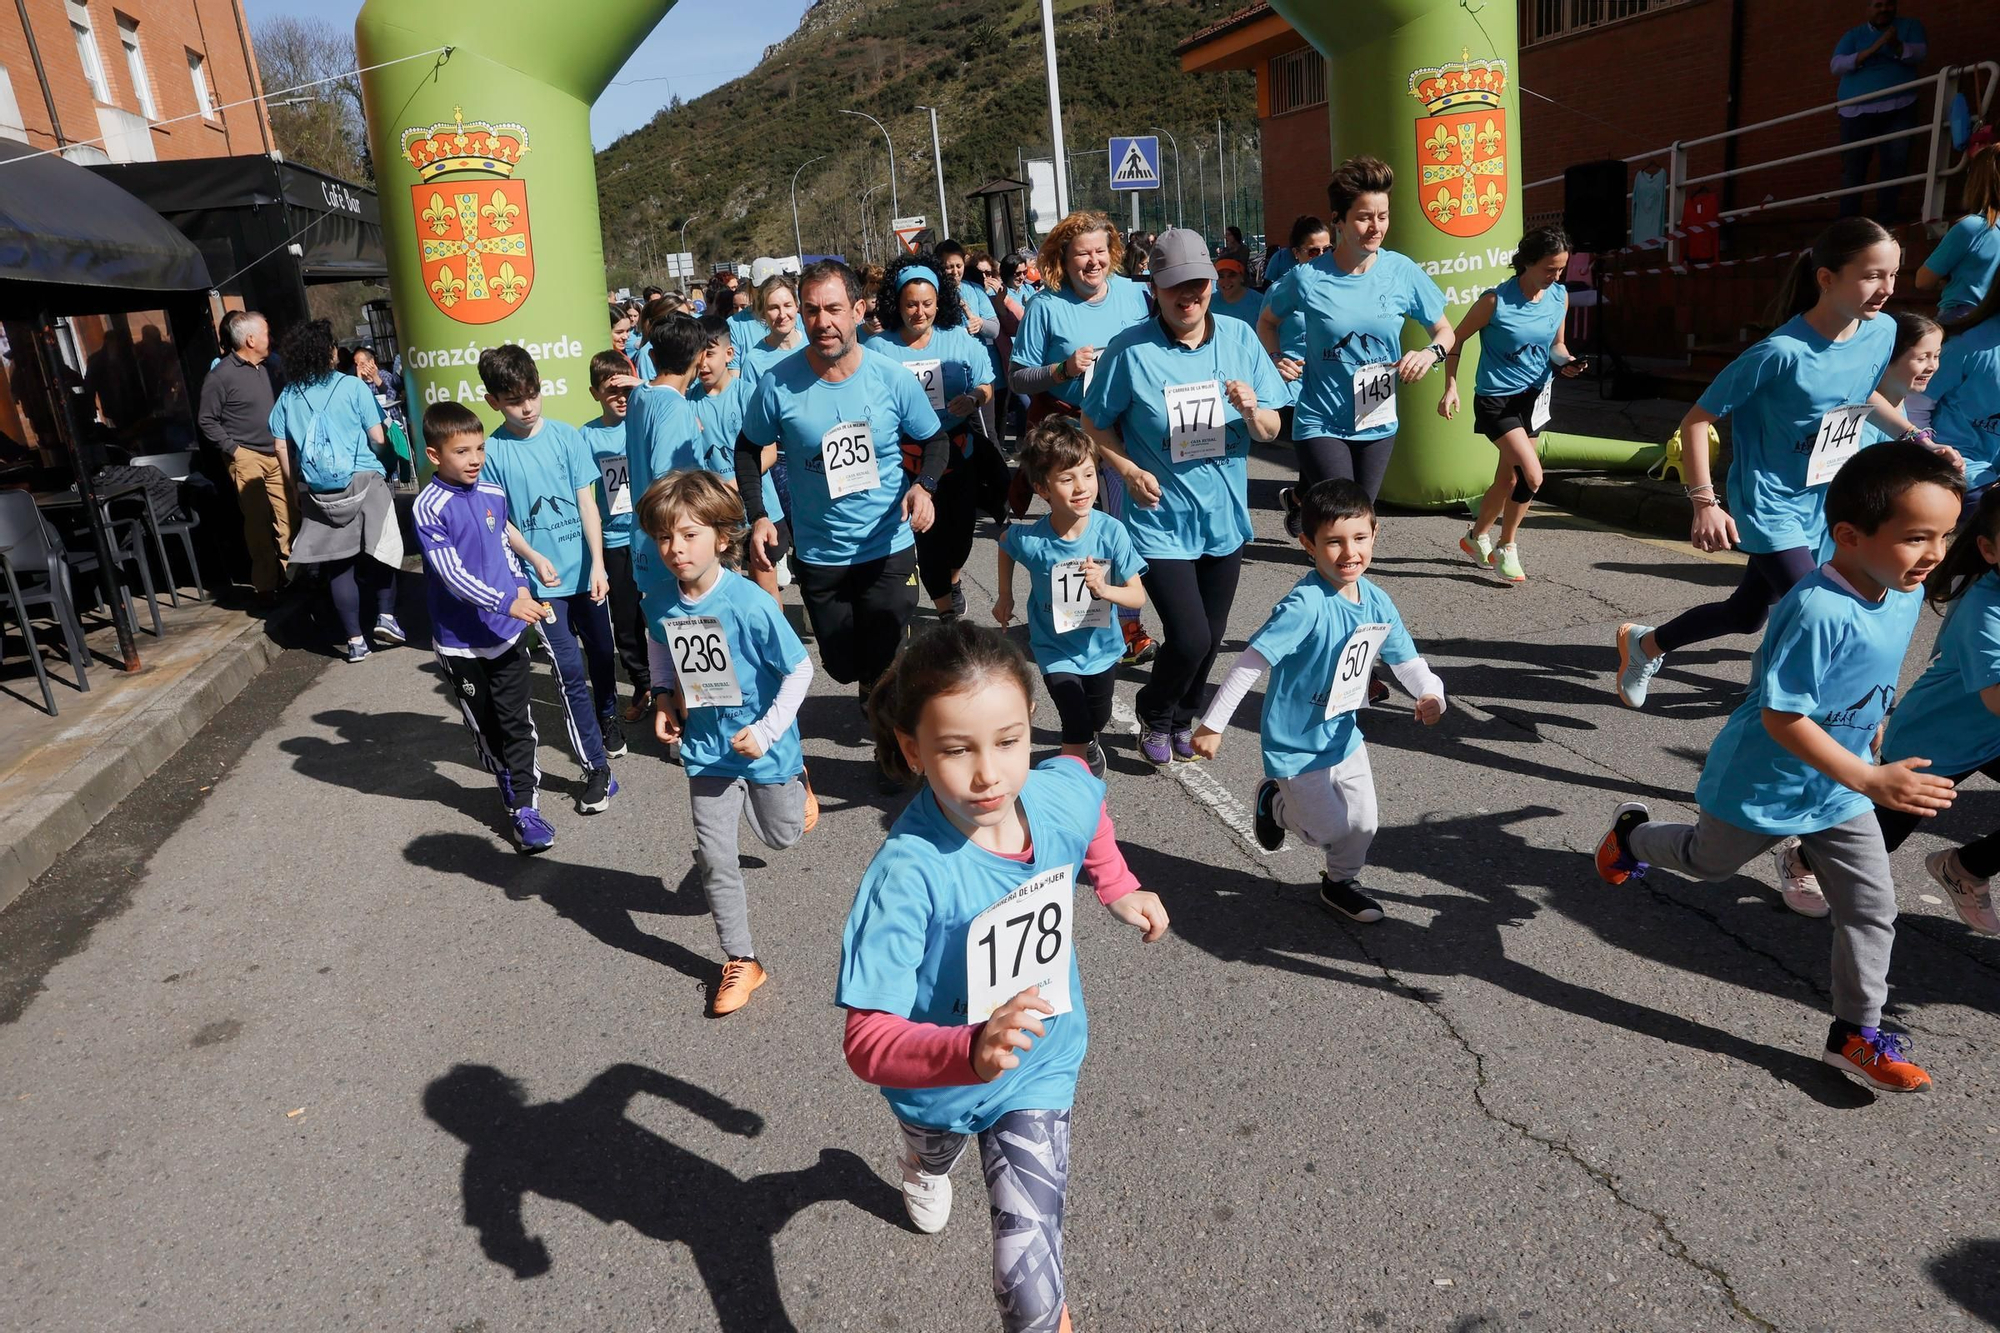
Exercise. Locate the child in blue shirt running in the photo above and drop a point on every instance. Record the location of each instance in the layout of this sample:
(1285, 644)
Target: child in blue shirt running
(1080, 563)
(739, 674)
(611, 383)
(1320, 646)
(1793, 759)
(958, 966)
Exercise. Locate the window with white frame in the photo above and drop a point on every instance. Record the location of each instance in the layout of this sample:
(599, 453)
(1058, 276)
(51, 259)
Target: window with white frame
(1298, 80)
(204, 101)
(135, 65)
(11, 125)
(87, 52)
(1542, 20)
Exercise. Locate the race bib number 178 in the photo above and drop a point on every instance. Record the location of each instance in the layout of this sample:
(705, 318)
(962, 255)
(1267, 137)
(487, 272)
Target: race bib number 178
(1021, 941)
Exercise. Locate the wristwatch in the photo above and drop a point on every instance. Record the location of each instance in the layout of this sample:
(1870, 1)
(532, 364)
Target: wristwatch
(930, 486)
(1437, 350)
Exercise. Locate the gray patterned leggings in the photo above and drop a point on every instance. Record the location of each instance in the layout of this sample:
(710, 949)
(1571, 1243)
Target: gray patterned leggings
(1025, 1157)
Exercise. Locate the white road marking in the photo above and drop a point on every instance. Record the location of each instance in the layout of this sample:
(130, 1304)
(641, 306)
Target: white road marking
(1197, 782)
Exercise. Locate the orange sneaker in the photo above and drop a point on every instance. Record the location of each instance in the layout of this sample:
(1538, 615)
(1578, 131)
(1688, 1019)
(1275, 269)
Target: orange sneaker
(740, 976)
(812, 803)
(1615, 865)
(1139, 645)
(1877, 1058)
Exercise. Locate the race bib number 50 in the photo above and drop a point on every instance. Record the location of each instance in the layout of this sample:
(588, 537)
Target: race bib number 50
(848, 452)
(1021, 941)
(1350, 673)
(701, 663)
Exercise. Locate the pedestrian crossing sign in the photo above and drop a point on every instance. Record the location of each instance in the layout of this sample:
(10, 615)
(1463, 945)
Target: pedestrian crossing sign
(1135, 162)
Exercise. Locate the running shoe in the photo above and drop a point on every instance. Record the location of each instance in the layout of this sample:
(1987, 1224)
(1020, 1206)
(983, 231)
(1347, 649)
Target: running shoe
(1183, 742)
(740, 976)
(1289, 498)
(958, 599)
(1093, 755)
(531, 832)
(1478, 549)
(1797, 884)
(389, 631)
(598, 789)
(1506, 562)
(1139, 645)
(926, 1198)
(1879, 1059)
(614, 734)
(357, 650)
(1635, 669)
(810, 820)
(1345, 897)
(1615, 862)
(1971, 897)
(1270, 833)
(1157, 745)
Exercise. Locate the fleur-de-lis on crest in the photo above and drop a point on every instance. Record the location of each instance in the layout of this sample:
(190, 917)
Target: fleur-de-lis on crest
(446, 288)
(507, 284)
(1439, 143)
(1489, 139)
(499, 214)
(437, 215)
(1491, 201)
(1442, 206)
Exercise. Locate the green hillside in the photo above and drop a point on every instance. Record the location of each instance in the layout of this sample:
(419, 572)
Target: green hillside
(729, 155)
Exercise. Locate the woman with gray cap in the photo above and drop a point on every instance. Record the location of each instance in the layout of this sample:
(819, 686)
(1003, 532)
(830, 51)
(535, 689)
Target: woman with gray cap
(1173, 405)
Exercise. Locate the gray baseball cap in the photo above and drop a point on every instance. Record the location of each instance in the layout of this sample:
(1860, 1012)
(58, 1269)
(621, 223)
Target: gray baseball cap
(1179, 255)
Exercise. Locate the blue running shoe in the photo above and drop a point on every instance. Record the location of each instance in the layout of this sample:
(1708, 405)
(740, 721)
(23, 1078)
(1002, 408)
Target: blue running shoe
(531, 832)
(389, 630)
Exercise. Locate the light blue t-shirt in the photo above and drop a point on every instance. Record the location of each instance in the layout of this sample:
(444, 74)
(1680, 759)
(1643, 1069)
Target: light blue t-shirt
(1246, 308)
(964, 365)
(1833, 657)
(642, 362)
(973, 296)
(744, 329)
(542, 475)
(1351, 320)
(754, 358)
(903, 951)
(795, 409)
(1776, 395)
(1966, 389)
(721, 415)
(1303, 640)
(1514, 345)
(1882, 70)
(1278, 263)
(662, 435)
(1204, 507)
(346, 409)
(763, 650)
(1942, 718)
(1060, 322)
(1966, 257)
(1037, 550)
(607, 444)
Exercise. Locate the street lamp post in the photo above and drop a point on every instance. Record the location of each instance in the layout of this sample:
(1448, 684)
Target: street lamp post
(799, 246)
(1055, 108)
(1180, 209)
(895, 205)
(1201, 183)
(684, 241)
(867, 242)
(937, 160)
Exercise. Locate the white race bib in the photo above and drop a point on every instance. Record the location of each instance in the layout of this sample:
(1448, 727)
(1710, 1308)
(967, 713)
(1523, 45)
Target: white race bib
(1375, 396)
(1540, 416)
(701, 662)
(617, 471)
(1021, 941)
(1070, 604)
(1839, 439)
(930, 374)
(848, 454)
(1194, 421)
(1350, 674)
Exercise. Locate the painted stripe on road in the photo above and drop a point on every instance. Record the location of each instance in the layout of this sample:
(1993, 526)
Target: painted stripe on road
(1197, 782)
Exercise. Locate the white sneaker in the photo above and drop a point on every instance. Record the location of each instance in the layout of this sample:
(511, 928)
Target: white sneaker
(1968, 895)
(926, 1198)
(1797, 885)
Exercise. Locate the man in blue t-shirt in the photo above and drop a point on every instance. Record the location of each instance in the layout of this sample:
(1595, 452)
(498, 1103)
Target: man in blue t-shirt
(1876, 56)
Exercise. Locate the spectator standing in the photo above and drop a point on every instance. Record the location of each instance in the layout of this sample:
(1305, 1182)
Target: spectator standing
(1879, 54)
(235, 416)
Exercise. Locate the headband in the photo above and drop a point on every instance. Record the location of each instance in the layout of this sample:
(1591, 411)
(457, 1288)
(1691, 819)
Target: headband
(918, 273)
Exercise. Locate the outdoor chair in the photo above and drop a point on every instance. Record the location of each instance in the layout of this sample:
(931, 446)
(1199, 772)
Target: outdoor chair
(42, 570)
(180, 523)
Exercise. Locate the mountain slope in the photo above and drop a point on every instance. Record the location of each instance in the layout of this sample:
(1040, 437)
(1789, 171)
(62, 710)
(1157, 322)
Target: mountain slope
(729, 155)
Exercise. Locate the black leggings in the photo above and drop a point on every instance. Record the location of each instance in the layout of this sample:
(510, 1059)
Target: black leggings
(944, 547)
(858, 612)
(1768, 578)
(355, 579)
(1193, 598)
(628, 619)
(1980, 857)
(1083, 703)
(1364, 461)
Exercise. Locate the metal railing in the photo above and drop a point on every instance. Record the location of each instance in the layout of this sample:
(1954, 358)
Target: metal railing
(1940, 163)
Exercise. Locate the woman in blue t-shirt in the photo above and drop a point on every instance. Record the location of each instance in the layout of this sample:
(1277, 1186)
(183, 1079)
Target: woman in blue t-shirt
(1969, 252)
(328, 427)
(1964, 395)
(1520, 329)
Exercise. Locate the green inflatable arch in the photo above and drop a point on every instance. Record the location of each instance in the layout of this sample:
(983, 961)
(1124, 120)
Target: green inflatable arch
(1431, 87)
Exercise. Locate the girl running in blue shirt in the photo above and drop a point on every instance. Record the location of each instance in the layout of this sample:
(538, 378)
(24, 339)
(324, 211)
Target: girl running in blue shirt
(1969, 252)
(1965, 392)
(959, 967)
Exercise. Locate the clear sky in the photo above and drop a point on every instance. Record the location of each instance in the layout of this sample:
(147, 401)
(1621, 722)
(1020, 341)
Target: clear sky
(698, 45)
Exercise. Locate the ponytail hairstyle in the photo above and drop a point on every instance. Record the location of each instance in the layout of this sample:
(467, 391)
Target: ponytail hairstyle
(1304, 227)
(1964, 564)
(1538, 245)
(1981, 192)
(1833, 249)
(1352, 179)
(950, 659)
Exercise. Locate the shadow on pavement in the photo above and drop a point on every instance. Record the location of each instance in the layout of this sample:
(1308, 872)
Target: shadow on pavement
(585, 1151)
(1969, 1273)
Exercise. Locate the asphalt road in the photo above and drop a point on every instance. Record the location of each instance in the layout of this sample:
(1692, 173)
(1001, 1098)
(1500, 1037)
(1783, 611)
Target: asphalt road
(297, 1031)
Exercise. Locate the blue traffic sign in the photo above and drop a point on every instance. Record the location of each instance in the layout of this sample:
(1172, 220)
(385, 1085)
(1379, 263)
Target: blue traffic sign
(1135, 162)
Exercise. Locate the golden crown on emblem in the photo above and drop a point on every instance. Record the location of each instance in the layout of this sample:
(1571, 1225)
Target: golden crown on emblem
(455, 145)
(1460, 87)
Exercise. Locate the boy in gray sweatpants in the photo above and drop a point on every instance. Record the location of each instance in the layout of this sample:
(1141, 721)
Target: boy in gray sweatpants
(1793, 759)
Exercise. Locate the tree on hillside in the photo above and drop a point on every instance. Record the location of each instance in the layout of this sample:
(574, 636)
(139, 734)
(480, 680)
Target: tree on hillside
(322, 126)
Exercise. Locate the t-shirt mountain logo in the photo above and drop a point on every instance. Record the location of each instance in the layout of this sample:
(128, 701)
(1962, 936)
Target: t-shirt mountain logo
(1357, 349)
(554, 504)
(472, 235)
(1859, 715)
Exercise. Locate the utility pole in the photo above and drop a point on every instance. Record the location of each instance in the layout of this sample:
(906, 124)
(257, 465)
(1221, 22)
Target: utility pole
(1201, 183)
(1221, 184)
(1055, 106)
(799, 246)
(937, 162)
(1180, 206)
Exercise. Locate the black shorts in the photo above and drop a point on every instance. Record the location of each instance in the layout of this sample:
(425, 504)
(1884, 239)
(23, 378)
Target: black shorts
(1495, 416)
